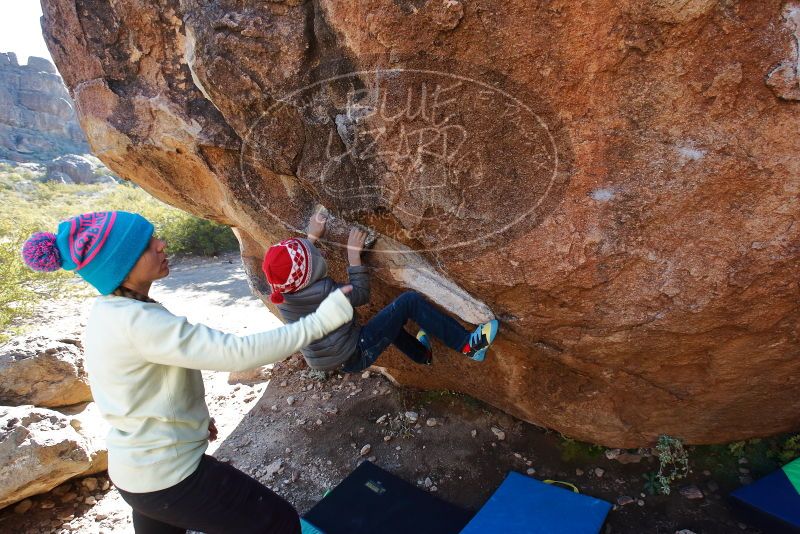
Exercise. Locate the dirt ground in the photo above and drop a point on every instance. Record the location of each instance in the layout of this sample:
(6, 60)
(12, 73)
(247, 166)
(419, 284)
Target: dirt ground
(301, 432)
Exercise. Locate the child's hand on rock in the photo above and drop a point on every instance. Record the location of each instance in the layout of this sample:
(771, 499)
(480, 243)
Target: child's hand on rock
(355, 244)
(316, 225)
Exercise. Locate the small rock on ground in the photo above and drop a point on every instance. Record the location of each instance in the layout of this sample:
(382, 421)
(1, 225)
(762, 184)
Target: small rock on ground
(692, 492)
(624, 500)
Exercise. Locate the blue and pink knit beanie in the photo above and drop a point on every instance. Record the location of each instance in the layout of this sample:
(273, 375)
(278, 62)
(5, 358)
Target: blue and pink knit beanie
(102, 247)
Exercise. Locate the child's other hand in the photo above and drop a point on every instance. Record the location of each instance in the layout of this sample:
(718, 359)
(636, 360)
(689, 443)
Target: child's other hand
(355, 244)
(316, 225)
(212, 430)
(346, 289)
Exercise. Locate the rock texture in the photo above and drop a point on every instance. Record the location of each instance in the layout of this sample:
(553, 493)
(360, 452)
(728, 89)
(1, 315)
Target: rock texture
(616, 181)
(40, 449)
(42, 371)
(37, 120)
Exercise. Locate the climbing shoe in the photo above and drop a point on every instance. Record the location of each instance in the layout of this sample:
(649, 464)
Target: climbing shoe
(422, 337)
(480, 339)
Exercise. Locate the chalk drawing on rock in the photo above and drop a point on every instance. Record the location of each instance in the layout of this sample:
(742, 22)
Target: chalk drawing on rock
(425, 149)
(784, 79)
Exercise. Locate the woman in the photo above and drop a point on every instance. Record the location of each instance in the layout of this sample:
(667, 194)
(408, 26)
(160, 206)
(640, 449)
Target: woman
(144, 371)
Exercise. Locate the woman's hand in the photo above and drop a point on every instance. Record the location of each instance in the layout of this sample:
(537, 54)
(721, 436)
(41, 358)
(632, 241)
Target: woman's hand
(316, 225)
(355, 244)
(212, 430)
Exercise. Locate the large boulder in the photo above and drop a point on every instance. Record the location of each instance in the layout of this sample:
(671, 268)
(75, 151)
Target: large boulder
(58, 178)
(93, 428)
(616, 181)
(40, 64)
(42, 371)
(40, 449)
(37, 119)
(72, 168)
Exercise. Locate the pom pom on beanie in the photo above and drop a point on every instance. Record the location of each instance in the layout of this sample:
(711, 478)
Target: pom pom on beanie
(276, 297)
(40, 252)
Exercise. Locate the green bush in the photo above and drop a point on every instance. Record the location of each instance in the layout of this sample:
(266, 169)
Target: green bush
(183, 232)
(575, 451)
(30, 206)
(15, 298)
(762, 455)
(673, 465)
(20, 287)
(737, 448)
(186, 234)
(788, 449)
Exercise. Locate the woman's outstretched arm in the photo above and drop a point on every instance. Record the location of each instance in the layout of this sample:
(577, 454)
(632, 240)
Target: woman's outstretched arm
(167, 339)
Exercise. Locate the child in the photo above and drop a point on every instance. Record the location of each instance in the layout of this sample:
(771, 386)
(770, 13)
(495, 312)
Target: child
(297, 274)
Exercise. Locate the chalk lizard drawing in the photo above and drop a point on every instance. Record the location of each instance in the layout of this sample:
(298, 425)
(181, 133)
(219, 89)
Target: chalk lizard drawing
(784, 79)
(430, 147)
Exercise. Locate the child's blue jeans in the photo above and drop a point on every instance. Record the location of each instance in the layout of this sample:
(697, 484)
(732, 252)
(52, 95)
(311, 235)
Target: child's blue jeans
(386, 328)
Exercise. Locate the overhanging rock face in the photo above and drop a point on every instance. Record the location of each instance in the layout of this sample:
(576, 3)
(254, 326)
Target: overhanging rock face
(618, 182)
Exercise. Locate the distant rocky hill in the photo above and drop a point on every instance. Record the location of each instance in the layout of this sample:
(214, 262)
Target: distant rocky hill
(37, 119)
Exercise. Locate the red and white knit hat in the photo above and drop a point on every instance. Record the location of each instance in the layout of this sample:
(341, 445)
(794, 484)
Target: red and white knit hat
(287, 267)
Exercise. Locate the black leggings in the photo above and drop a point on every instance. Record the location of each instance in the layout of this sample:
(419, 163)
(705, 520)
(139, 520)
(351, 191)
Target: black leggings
(216, 498)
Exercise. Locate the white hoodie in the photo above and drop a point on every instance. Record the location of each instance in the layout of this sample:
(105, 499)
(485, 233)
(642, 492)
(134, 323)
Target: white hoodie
(144, 367)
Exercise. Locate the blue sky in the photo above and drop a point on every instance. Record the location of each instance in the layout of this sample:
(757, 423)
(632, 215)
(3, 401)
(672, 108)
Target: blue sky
(20, 31)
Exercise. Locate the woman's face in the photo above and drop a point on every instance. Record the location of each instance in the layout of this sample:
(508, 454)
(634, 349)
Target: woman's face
(152, 264)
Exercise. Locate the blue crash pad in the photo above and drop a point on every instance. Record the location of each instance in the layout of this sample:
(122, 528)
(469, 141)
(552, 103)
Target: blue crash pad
(775, 497)
(308, 528)
(523, 505)
(373, 501)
